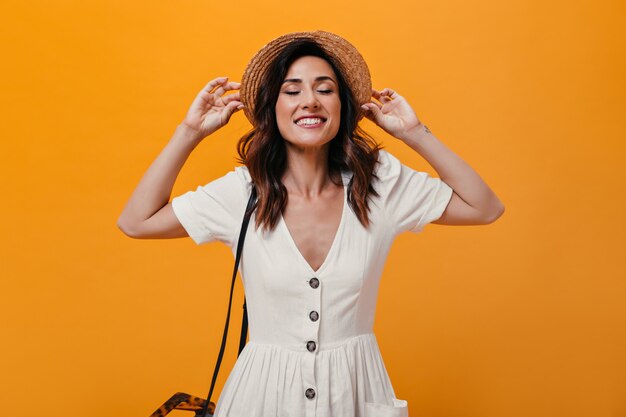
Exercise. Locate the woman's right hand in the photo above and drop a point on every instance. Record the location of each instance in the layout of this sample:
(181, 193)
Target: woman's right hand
(211, 110)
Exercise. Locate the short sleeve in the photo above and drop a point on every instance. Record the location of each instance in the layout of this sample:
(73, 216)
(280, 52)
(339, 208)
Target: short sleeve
(214, 212)
(411, 199)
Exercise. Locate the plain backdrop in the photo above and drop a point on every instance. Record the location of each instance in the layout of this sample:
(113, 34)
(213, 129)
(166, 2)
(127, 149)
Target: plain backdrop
(523, 317)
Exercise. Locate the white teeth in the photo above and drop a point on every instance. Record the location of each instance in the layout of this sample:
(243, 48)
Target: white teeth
(309, 121)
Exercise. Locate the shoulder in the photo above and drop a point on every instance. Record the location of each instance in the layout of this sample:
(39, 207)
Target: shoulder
(214, 211)
(229, 190)
(411, 198)
(387, 164)
(401, 182)
(388, 169)
(242, 174)
(234, 184)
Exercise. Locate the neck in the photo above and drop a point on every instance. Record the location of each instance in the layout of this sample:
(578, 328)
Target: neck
(307, 172)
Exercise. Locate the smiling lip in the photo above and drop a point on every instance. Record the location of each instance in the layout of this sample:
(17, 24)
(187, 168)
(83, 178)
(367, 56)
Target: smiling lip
(311, 116)
(311, 126)
(305, 126)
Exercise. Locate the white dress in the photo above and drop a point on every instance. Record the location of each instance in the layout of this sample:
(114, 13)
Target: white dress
(311, 349)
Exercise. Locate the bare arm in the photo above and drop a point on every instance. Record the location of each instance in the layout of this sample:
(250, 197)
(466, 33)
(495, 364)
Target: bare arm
(148, 213)
(472, 202)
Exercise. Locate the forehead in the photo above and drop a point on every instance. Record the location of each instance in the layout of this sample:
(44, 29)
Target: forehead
(310, 67)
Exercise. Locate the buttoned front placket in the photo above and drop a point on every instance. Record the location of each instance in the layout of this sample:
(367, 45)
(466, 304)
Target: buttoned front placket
(311, 311)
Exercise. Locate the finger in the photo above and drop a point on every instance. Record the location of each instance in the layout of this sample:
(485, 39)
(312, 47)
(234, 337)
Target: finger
(219, 91)
(234, 105)
(378, 95)
(371, 110)
(231, 108)
(368, 112)
(223, 88)
(235, 96)
(213, 83)
(375, 104)
(384, 95)
(233, 85)
(389, 94)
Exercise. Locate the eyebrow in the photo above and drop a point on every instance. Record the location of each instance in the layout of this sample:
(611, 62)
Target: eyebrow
(298, 80)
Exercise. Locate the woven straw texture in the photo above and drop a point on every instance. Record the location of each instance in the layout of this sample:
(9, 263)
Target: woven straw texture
(347, 58)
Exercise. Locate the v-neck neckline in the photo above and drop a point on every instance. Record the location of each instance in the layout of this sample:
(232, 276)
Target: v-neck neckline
(338, 233)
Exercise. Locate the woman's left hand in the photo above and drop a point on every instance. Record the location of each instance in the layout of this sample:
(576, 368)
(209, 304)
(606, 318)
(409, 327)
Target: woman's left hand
(393, 114)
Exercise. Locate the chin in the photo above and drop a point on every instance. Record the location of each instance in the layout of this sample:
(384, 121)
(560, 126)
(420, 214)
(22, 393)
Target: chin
(303, 143)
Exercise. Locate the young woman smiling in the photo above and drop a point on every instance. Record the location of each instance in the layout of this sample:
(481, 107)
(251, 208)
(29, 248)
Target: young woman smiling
(330, 203)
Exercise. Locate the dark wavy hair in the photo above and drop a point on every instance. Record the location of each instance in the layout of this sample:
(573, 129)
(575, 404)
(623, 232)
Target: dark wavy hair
(264, 153)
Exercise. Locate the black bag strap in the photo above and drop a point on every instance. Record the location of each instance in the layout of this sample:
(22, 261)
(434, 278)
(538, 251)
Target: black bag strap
(244, 325)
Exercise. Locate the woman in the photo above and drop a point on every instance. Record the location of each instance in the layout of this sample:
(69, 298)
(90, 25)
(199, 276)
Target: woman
(330, 203)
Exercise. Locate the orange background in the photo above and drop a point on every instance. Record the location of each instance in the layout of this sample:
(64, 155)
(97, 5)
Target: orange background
(524, 317)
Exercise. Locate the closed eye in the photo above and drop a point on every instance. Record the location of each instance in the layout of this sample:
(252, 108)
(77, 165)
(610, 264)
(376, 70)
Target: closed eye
(293, 93)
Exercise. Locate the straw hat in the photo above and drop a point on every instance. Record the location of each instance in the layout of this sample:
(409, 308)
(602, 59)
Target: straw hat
(347, 58)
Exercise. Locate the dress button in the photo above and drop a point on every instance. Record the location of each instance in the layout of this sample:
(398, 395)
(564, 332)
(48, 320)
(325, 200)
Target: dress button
(310, 345)
(313, 315)
(314, 282)
(310, 393)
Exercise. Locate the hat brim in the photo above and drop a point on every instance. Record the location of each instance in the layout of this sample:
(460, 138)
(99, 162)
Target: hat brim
(347, 58)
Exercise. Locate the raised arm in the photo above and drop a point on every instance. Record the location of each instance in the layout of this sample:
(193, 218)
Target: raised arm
(472, 202)
(148, 213)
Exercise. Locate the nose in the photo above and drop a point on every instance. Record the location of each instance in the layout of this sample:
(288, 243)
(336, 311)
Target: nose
(309, 99)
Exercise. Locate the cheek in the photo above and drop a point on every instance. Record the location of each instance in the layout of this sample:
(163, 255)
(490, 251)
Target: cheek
(280, 113)
(337, 111)
(283, 118)
(283, 109)
(335, 105)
